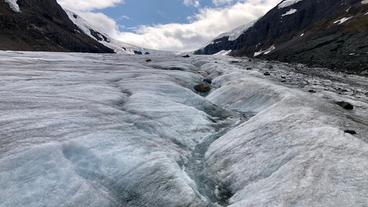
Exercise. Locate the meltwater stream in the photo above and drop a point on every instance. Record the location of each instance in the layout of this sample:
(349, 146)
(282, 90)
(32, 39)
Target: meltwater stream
(215, 192)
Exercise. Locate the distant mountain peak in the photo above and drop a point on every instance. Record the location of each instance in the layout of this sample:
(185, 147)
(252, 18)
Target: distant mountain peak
(103, 38)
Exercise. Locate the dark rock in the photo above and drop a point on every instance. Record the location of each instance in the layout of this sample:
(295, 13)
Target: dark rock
(249, 68)
(98, 36)
(342, 90)
(202, 88)
(267, 73)
(148, 60)
(207, 80)
(234, 62)
(365, 73)
(138, 52)
(283, 81)
(186, 56)
(312, 91)
(345, 105)
(348, 131)
(283, 77)
(147, 53)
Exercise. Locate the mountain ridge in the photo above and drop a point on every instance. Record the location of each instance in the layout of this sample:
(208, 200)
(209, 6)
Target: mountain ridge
(325, 33)
(42, 25)
(103, 38)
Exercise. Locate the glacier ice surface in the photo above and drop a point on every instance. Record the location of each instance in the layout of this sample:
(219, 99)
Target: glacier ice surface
(113, 130)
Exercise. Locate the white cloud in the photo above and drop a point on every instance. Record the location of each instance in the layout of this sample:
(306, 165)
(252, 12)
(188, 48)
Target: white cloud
(88, 5)
(101, 22)
(194, 3)
(125, 17)
(204, 27)
(222, 2)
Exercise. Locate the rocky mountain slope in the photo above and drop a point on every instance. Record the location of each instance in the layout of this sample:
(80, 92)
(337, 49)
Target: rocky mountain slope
(42, 25)
(327, 33)
(103, 38)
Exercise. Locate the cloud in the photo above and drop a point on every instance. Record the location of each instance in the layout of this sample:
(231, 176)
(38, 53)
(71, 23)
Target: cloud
(88, 5)
(222, 2)
(203, 27)
(124, 17)
(101, 22)
(194, 3)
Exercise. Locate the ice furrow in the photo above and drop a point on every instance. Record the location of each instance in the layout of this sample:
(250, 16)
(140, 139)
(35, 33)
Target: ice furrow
(214, 191)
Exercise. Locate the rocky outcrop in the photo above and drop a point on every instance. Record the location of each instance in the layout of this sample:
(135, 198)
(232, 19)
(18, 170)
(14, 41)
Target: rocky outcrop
(42, 25)
(328, 33)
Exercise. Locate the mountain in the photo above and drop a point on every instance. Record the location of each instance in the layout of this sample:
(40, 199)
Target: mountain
(103, 38)
(327, 33)
(42, 25)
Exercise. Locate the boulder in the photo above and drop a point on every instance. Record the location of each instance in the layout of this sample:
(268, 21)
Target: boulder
(345, 105)
(349, 131)
(202, 88)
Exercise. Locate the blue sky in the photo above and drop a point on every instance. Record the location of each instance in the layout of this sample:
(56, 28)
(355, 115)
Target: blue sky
(150, 12)
(174, 25)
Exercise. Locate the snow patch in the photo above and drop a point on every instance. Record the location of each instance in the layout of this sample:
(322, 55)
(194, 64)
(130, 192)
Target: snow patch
(288, 3)
(264, 52)
(223, 52)
(342, 20)
(13, 5)
(364, 2)
(235, 34)
(290, 12)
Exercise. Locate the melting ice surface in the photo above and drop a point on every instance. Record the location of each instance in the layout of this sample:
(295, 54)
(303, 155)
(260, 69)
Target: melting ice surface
(113, 130)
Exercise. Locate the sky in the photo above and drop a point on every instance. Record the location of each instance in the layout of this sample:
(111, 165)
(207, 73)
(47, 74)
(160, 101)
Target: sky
(174, 25)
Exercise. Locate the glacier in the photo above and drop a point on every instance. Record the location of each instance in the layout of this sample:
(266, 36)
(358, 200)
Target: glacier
(116, 130)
